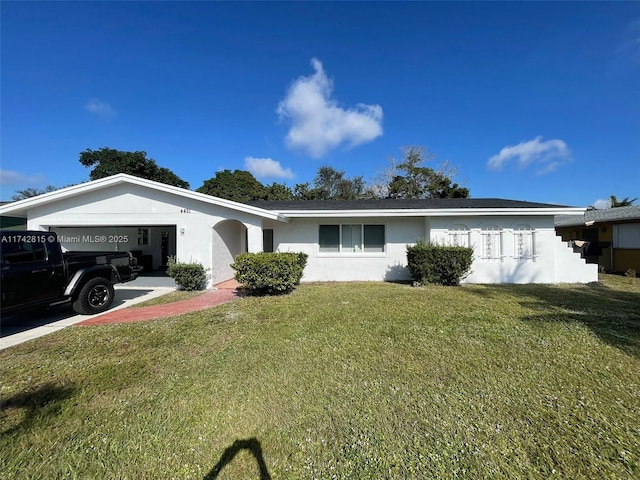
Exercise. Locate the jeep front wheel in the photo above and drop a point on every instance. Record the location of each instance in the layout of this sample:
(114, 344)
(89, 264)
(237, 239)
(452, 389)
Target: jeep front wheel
(95, 296)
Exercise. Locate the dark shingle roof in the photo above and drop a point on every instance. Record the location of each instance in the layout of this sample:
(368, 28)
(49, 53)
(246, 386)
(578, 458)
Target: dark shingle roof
(408, 204)
(599, 216)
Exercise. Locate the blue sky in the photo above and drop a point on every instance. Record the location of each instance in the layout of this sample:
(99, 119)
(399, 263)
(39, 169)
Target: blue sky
(527, 100)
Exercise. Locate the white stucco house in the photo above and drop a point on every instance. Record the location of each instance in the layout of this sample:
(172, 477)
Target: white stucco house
(513, 241)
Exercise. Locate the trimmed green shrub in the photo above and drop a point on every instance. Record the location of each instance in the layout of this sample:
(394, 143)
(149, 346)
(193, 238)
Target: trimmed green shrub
(188, 276)
(269, 272)
(439, 264)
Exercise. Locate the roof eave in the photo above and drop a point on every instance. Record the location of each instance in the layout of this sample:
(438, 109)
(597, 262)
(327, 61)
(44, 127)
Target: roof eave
(22, 206)
(441, 212)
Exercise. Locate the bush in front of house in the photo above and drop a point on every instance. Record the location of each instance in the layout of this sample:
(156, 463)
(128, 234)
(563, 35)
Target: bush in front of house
(188, 276)
(439, 264)
(269, 272)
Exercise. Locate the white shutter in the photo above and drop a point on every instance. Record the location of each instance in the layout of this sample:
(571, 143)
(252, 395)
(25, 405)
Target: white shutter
(523, 246)
(458, 237)
(492, 244)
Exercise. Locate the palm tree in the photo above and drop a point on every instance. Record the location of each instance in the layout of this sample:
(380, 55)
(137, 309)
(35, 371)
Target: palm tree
(625, 202)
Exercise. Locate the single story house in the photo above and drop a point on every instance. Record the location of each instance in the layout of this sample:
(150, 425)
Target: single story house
(513, 241)
(609, 238)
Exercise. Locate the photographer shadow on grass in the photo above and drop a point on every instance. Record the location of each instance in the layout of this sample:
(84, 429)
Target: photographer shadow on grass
(251, 444)
(38, 405)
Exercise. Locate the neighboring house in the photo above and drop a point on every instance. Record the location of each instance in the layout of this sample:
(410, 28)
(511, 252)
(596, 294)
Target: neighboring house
(513, 241)
(12, 223)
(609, 238)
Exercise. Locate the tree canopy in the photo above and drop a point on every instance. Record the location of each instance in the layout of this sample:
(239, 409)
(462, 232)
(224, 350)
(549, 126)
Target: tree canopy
(332, 184)
(410, 179)
(405, 179)
(237, 185)
(108, 161)
(625, 202)
(32, 192)
(278, 191)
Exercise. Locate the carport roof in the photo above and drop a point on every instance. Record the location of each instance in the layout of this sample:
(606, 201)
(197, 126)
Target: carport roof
(590, 217)
(21, 207)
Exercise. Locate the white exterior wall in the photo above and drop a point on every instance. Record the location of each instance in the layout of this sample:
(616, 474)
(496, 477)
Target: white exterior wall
(569, 267)
(212, 231)
(134, 205)
(553, 261)
(301, 235)
(222, 253)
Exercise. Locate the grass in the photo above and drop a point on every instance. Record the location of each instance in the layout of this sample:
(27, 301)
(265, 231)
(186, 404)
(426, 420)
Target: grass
(363, 380)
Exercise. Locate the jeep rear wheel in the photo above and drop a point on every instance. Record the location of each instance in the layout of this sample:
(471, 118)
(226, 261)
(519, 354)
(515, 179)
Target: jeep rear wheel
(95, 296)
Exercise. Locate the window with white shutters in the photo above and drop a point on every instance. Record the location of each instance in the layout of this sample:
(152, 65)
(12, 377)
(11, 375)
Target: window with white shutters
(523, 244)
(458, 236)
(492, 244)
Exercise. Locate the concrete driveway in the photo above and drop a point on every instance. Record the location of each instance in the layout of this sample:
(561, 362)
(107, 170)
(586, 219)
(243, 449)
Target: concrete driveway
(18, 328)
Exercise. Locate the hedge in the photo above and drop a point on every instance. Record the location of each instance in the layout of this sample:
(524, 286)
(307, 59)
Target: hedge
(188, 276)
(269, 272)
(439, 264)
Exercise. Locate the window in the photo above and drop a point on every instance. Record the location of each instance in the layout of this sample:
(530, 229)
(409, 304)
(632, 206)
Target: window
(492, 244)
(352, 238)
(458, 236)
(329, 238)
(23, 252)
(626, 235)
(374, 238)
(267, 240)
(143, 236)
(523, 244)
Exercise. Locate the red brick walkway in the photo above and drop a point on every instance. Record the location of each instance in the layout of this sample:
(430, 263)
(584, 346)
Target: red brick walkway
(223, 292)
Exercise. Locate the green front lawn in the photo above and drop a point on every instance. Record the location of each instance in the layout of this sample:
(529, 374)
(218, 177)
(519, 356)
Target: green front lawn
(364, 380)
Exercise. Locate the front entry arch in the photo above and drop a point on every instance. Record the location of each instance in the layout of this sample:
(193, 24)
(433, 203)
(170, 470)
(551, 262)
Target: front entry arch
(229, 240)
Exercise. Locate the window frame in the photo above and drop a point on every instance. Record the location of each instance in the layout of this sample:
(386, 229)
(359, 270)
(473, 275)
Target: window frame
(362, 249)
(624, 236)
(144, 236)
(492, 232)
(456, 232)
(267, 240)
(518, 233)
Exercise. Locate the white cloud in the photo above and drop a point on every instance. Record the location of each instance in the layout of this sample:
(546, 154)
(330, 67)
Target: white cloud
(9, 177)
(547, 155)
(266, 167)
(99, 108)
(601, 204)
(318, 124)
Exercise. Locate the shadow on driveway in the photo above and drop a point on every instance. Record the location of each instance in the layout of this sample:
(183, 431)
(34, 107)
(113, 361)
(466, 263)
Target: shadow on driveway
(21, 322)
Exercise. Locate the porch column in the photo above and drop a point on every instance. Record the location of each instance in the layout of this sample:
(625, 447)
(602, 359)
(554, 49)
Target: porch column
(254, 239)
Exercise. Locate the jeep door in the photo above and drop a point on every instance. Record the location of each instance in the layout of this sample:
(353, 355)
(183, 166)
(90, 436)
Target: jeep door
(30, 274)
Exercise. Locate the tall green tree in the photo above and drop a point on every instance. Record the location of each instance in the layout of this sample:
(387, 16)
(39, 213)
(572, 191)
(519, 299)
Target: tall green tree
(304, 191)
(237, 185)
(278, 191)
(335, 185)
(411, 179)
(108, 161)
(625, 202)
(331, 184)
